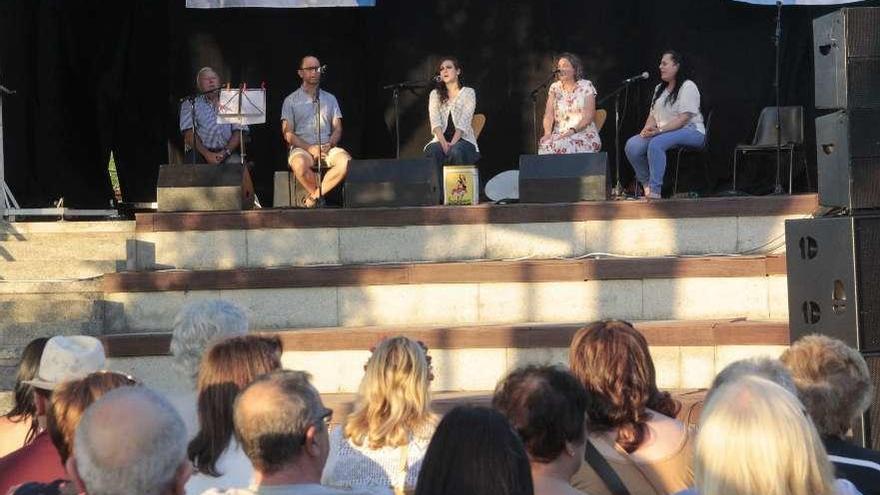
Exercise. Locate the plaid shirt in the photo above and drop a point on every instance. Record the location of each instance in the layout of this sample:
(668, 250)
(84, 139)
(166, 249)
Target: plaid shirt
(213, 135)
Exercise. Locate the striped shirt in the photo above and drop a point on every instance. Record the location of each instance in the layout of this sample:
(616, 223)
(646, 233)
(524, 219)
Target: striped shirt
(213, 135)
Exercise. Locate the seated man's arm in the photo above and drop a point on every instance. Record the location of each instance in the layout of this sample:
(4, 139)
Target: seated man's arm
(336, 136)
(290, 136)
(209, 155)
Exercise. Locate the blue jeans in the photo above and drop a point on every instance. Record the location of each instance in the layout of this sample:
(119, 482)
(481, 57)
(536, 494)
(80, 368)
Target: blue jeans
(460, 153)
(648, 156)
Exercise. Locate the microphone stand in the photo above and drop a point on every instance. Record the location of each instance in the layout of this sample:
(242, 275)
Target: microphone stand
(7, 200)
(192, 107)
(320, 199)
(617, 190)
(395, 95)
(534, 97)
(777, 40)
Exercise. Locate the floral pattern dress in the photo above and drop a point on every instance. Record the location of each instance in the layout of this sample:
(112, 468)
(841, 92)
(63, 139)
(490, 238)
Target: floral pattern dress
(568, 107)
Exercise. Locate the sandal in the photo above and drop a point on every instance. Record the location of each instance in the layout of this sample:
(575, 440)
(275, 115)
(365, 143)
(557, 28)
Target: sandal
(309, 202)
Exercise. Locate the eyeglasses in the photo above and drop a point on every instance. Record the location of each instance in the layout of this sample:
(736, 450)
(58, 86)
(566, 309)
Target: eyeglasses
(310, 69)
(327, 417)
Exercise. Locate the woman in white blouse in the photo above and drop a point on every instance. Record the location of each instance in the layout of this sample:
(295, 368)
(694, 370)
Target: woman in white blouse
(674, 120)
(450, 111)
(380, 446)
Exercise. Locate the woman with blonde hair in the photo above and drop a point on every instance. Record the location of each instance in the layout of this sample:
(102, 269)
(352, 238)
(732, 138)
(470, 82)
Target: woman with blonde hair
(756, 438)
(382, 443)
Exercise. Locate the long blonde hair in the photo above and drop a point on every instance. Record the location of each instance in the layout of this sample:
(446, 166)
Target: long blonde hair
(394, 397)
(756, 438)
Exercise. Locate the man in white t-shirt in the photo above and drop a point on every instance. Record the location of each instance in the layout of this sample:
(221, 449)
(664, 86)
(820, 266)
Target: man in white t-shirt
(282, 426)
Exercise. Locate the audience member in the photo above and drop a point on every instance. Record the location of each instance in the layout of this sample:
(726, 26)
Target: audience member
(64, 358)
(475, 452)
(631, 422)
(282, 425)
(227, 368)
(131, 440)
(382, 443)
(763, 366)
(834, 385)
(198, 325)
(19, 426)
(69, 402)
(755, 438)
(547, 406)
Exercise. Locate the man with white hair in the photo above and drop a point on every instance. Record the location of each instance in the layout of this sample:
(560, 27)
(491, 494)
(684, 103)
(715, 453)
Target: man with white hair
(282, 426)
(197, 326)
(64, 358)
(131, 440)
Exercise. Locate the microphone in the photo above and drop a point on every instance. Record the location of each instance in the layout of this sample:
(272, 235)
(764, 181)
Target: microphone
(6, 91)
(322, 69)
(436, 78)
(643, 75)
(556, 71)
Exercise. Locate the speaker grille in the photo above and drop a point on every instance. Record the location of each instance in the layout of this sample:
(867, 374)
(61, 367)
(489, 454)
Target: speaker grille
(868, 269)
(863, 81)
(862, 37)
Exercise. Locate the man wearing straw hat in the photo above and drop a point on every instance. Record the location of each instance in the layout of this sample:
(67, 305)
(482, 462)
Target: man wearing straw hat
(64, 358)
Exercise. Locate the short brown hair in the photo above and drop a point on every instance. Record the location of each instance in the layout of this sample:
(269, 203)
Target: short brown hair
(612, 360)
(69, 402)
(832, 381)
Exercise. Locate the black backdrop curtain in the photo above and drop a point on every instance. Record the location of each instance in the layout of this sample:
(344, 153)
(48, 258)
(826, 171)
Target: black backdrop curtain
(96, 76)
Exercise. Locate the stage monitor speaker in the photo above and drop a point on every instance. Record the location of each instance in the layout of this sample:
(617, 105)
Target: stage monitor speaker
(846, 55)
(408, 182)
(833, 265)
(848, 158)
(563, 178)
(200, 187)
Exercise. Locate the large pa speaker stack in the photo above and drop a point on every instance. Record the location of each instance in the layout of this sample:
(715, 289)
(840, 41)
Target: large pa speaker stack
(833, 263)
(846, 53)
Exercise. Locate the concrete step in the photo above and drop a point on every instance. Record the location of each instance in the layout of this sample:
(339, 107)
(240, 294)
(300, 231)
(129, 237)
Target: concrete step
(13, 289)
(48, 308)
(461, 293)
(15, 229)
(65, 246)
(33, 270)
(687, 354)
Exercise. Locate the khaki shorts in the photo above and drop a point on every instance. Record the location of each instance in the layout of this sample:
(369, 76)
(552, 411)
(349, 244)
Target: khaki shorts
(327, 164)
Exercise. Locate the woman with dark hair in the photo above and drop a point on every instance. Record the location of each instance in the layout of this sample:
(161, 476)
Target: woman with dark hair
(632, 424)
(674, 120)
(571, 108)
(19, 426)
(227, 368)
(475, 452)
(450, 111)
(547, 405)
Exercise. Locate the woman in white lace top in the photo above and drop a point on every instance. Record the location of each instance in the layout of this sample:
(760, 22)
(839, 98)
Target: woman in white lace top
(381, 444)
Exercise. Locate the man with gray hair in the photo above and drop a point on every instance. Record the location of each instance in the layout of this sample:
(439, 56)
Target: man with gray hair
(834, 383)
(131, 440)
(197, 326)
(761, 366)
(282, 427)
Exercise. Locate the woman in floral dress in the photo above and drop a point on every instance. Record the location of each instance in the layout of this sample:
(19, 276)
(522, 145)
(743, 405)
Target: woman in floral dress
(571, 108)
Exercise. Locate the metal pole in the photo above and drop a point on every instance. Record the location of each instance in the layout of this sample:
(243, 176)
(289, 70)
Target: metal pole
(777, 189)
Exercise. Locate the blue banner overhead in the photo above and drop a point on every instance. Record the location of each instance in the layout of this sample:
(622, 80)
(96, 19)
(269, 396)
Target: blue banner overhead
(293, 4)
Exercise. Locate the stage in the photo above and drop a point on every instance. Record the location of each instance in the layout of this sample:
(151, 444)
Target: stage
(487, 287)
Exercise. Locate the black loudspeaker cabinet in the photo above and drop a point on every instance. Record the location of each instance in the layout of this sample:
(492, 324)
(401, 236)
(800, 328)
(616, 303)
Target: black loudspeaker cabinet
(846, 56)
(563, 178)
(200, 187)
(848, 158)
(409, 182)
(833, 267)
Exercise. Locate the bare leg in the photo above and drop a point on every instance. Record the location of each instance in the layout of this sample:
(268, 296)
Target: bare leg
(301, 166)
(336, 173)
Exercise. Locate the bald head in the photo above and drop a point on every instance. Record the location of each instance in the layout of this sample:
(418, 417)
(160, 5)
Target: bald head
(130, 441)
(273, 416)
